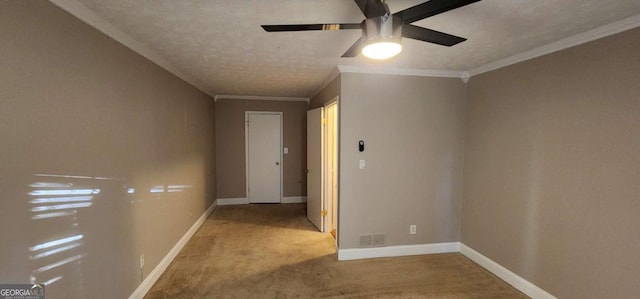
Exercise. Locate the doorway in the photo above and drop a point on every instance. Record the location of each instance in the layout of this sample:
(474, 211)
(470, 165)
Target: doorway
(331, 167)
(322, 167)
(263, 144)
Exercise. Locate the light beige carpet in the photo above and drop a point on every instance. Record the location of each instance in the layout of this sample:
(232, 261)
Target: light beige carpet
(272, 251)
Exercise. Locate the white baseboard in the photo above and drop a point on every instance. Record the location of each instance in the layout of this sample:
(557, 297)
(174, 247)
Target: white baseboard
(245, 201)
(505, 274)
(294, 199)
(233, 201)
(400, 250)
(151, 279)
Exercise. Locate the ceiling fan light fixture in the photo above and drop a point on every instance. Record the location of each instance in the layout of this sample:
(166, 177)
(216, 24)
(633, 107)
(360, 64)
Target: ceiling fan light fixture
(382, 49)
(382, 37)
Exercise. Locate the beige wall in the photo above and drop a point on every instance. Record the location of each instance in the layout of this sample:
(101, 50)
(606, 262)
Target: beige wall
(413, 129)
(230, 154)
(552, 169)
(73, 102)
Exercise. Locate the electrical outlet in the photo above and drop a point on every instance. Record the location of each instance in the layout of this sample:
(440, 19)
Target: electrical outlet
(141, 261)
(412, 229)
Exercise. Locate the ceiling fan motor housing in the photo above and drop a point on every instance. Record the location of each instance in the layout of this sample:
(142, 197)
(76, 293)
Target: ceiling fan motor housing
(384, 28)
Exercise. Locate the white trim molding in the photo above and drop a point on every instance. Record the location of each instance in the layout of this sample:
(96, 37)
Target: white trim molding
(86, 15)
(597, 33)
(232, 201)
(399, 250)
(332, 76)
(578, 39)
(259, 98)
(155, 274)
(245, 201)
(505, 274)
(400, 71)
(294, 199)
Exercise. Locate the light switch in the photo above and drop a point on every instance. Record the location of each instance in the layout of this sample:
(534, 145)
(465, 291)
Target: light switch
(362, 164)
(286, 150)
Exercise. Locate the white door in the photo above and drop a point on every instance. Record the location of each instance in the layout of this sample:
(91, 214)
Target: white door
(264, 159)
(314, 167)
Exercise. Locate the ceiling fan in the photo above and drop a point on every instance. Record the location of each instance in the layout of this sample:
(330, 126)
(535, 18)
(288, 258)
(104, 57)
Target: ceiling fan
(383, 31)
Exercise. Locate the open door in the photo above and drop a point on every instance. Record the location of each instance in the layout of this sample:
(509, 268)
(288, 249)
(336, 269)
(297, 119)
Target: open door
(315, 155)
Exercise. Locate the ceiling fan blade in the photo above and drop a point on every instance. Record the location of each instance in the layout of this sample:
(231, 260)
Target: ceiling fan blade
(354, 50)
(372, 8)
(430, 36)
(307, 27)
(430, 8)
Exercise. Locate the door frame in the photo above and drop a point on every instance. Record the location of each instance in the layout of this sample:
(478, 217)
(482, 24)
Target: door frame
(246, 149)
(327, 186)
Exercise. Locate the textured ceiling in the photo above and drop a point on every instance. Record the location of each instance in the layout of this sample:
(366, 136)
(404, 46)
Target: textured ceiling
(221, 44)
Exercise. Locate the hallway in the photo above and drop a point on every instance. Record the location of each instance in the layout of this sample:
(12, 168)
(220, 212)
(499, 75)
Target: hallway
(272, 251)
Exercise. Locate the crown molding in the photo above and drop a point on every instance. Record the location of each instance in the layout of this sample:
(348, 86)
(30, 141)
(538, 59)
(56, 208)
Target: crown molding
(578, 39)
(86, 15)
(400, 71)
(258, 98)
(334, 74)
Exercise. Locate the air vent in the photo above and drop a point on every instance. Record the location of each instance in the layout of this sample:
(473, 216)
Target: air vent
(374, 240)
